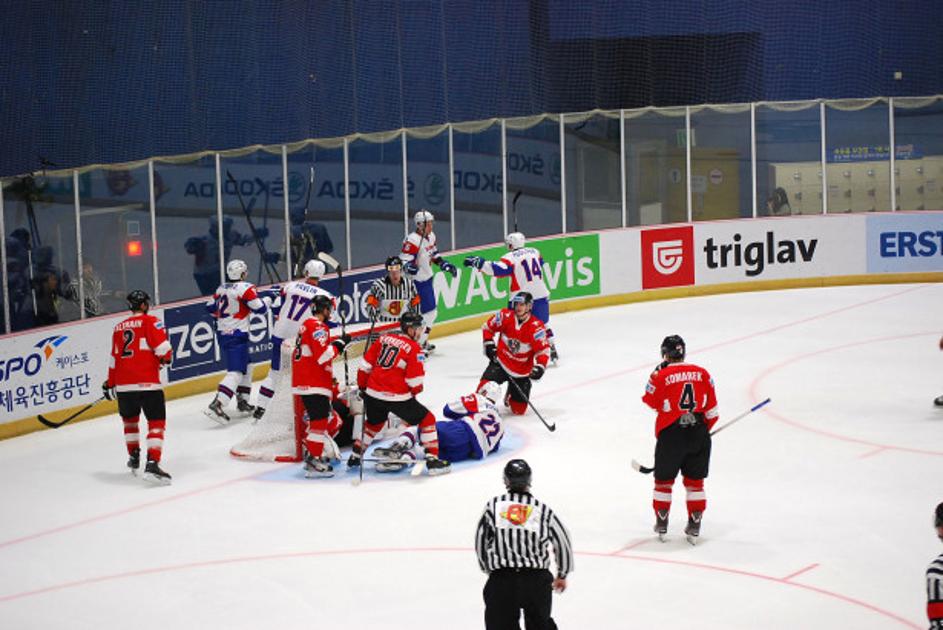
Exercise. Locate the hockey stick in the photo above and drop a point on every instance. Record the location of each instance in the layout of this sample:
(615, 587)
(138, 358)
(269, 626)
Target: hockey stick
(270, 269)
(55, 425)
(646, 470)
(551, 427)
(305, 238)
(514, 207)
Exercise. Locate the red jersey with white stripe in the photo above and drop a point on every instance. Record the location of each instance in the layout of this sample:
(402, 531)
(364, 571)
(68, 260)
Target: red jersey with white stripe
(232, 304)
(393, 368)
(137, 346)
(520, 344)
(422, 256)
(525, 267)
(680, 388)
(311, 371)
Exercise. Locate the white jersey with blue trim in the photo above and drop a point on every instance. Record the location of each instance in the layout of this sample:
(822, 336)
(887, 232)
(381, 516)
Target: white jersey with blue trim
(484, 419)
(423, 256)
(296, 298)
(232, 303)
(525, 266)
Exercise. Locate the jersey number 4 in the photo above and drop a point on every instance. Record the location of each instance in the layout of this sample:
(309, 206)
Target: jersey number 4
(687, 401)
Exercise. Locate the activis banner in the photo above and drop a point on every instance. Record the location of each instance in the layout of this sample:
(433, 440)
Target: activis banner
(737, 251)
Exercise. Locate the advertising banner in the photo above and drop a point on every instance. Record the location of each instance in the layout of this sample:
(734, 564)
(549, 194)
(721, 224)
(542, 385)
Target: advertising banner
(905, 242)
(774, 249)
(571, 269)
(54, 368)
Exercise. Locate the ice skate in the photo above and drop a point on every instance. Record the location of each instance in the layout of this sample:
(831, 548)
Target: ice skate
(134, 461)
(257, 414)
(215, 412)
(437, 466)
(554, 356)
(356, 454)
(398, 457)
(317, 467)
(154, 474)
(661, 524)
(693, 529)
(243, 406)
(428, 348)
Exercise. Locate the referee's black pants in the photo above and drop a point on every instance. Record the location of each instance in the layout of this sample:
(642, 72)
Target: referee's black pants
(507, 591)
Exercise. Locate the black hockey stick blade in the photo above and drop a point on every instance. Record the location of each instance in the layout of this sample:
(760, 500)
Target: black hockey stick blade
(55, 425)
(642, 469)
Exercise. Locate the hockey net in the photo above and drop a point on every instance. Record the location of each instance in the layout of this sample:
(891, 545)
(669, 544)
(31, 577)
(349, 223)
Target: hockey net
(278, 435)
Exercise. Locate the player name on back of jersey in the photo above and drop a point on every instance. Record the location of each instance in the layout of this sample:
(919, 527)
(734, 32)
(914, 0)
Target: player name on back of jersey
(678, 377)
(402, 344)
(130, 323)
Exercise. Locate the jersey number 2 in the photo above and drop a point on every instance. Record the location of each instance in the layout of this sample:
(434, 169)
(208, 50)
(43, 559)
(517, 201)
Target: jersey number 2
(127, 338)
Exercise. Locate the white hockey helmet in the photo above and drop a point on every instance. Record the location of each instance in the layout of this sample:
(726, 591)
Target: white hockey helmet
(515, 240)
(314, 269)
(422, 217)
(236, 270)
(490, 390)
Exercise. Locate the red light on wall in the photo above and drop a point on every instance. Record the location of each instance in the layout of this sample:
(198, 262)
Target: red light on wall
(134, 248)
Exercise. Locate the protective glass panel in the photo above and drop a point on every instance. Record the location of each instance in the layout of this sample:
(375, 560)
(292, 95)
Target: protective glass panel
(788, 161)
(656, 171)
(533, 167)
(39, 219)
(858, 169)
(721, 182)
(919, 157)
(117, 244)
(377, 216)
(593, 174)
(187, 235)
(254, 206)
(428, 176)
(479, 215)
(316, 196)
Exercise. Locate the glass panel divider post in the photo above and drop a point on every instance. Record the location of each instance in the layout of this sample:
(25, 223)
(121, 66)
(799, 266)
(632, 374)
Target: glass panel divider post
(622, 166)
(562, 174)
(152, 202)
(347, 199)
(3, 272)
(689, 199)
(286, 197)
(405, 185)
(893, 152)
(824, 156)
(219, 219)
(504, 175)
(753, 157)
(452, 185)
(78, 243)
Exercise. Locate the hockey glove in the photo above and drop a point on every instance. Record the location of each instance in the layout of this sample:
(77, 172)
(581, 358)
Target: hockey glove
(448, 268)
(537, 372)
(341, 342)
(474, 261)
(490, 351)
(108, 391)
(166, 359)
(411, 268)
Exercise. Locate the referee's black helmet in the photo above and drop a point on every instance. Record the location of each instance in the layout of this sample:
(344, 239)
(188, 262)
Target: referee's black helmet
(517, 475)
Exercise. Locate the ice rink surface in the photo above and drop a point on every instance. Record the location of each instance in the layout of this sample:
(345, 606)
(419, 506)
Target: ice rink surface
(819, 506)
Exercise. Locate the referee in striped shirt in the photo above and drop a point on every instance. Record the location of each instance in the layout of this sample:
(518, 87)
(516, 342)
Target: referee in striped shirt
(935, 579)
(392, 295)
(511, 543)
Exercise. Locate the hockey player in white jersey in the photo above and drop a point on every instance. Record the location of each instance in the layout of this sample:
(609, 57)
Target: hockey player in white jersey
(232, 304)
(473, 431)
(295, 302)
(418, 253)
(525, 267)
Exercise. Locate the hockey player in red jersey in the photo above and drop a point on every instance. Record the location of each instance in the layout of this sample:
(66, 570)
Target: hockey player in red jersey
(515, 343)
(683, 395)
(389, 379)
(312, 378)
(139, 348)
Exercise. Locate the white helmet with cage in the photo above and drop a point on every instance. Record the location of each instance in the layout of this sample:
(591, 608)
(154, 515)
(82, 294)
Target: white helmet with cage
(314, 269)
(515, 240)
(490, 390)
(423, 217)
(236, 270)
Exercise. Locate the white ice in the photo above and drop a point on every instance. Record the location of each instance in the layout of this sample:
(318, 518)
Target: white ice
(819, 507)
